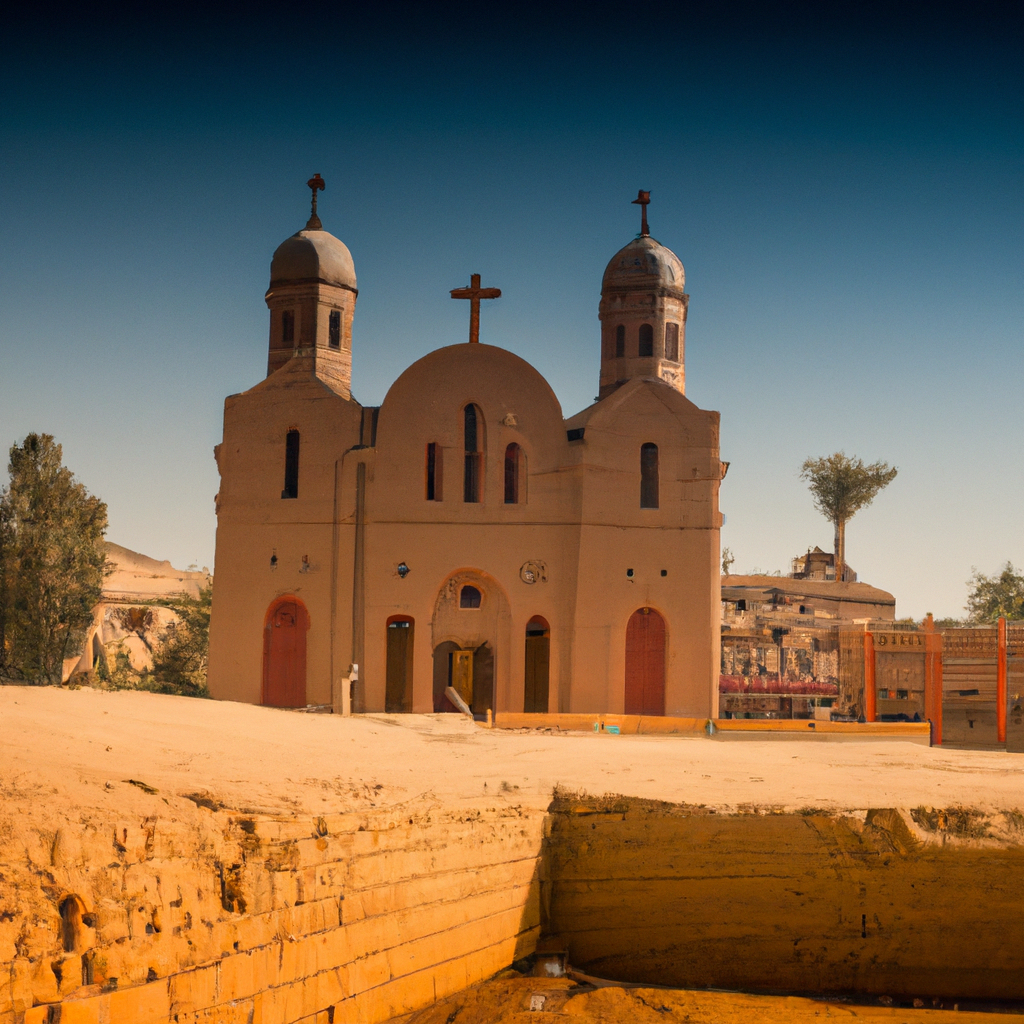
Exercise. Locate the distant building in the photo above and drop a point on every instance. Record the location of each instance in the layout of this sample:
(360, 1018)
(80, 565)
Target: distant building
(785, 599)
(819, 565)
(782, 640)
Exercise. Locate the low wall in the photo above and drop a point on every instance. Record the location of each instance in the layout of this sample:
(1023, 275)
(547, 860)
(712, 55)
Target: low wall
(254, 920)
(719, 728)
(814, 902)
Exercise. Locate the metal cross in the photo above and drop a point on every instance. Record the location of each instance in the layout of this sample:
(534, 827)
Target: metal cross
(475, 293)
(642, 199)
(316, 183)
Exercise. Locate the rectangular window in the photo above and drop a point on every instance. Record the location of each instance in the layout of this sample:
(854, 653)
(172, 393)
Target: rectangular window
(649, 476)
(434, 464)
(471, 481)
(672, 342)
(513, 457)
(291, 465)
(473, 473)
(287, 327)
(646, 343)
(334, 332)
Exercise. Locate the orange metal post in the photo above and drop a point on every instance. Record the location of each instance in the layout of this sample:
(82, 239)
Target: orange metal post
(870, 692)
(933, 684)
(1001, 680)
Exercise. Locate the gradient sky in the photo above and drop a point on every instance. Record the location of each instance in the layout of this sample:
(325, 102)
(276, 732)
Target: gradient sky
(842, 183)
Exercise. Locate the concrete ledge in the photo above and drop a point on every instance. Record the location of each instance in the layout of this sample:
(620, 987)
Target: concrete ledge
(765, 728)
(626, 725)
(719, 728)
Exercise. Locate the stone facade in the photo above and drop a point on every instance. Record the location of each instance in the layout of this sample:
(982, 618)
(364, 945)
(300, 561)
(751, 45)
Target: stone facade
(573, 563)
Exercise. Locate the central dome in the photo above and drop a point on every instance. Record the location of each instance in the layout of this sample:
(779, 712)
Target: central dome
(644, 264)
(313, 255)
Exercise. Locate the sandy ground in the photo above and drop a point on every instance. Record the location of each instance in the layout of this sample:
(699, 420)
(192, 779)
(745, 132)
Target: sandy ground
(512, 999)
(70, 754)
(70, 744)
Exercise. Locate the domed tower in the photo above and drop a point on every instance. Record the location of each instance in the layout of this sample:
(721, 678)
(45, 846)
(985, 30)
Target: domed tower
(643, 313)
(312, 299)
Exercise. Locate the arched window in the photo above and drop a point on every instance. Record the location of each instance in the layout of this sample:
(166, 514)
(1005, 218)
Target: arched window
(513, 467)
(434, 471)
(291, 465)
(672, 342)
(334, 329)
(620, 341)
(649, 475)
(287, 327)
(646, 340)
(473, 477)
(469, 597)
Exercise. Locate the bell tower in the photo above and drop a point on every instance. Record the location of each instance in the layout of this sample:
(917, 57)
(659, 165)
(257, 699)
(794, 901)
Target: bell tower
(312, 301)
(643, 312)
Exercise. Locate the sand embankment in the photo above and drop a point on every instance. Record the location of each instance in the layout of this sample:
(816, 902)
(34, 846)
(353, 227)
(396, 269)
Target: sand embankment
(164, 858)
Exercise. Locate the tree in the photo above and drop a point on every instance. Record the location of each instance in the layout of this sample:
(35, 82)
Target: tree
(841, 487)
(993, 597)
(727, 560)
(179, 662)
(52, 561)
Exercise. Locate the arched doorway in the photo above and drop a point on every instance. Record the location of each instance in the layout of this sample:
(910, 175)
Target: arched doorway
(471, 639)
(645, 663)
(538, 663)
(284, 654)
(443, 675)
(398, 688)
(476, 679)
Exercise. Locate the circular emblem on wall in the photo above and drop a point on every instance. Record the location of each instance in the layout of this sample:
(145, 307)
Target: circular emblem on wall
(532, 572)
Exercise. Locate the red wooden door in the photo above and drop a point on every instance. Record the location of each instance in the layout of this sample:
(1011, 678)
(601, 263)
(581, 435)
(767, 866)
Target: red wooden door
(284, 655)
(645, 663)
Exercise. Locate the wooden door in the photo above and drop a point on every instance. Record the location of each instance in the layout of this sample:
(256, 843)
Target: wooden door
(538, 655)
(284, 655)
(398, 685)
(462, 675)
(645, 663)
(483, 680)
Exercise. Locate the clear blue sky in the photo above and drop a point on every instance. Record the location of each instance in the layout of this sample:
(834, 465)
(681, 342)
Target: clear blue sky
(843, 184)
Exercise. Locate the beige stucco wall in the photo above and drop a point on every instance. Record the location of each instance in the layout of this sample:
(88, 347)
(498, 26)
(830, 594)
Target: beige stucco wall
(254, 522)
(579, 518)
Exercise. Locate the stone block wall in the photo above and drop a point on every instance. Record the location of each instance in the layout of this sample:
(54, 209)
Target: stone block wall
(223, 917)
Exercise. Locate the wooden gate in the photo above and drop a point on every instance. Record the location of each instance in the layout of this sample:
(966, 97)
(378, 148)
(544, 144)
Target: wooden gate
(645, 663)
(284, 654)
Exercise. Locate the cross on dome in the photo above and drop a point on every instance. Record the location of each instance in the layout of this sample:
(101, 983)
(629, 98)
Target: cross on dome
(316, 183)
(642, 200)
(475, 293)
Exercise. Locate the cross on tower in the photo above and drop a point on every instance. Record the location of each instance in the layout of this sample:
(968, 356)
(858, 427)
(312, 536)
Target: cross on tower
(475, 293)
(642, 199)
(316, 183)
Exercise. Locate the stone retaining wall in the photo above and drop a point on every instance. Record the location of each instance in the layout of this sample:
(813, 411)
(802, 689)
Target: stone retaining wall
(256, 920)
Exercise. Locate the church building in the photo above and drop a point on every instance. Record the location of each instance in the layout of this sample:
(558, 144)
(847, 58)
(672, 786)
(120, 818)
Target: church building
(465, 533)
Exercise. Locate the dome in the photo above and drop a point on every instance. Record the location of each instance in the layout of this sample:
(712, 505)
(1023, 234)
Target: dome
(313, 255)
(644, 264)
